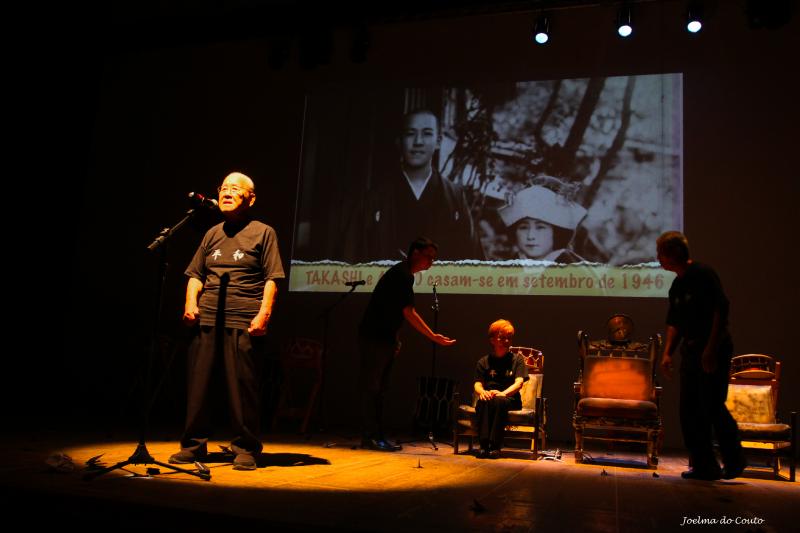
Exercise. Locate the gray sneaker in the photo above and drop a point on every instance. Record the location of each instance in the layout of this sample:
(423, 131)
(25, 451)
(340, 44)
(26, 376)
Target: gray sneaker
(244, 461)
(185, 457)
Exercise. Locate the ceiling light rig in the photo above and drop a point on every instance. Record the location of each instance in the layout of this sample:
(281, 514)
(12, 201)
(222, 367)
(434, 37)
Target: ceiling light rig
(694, 18)
(541, 30)
(624, 25)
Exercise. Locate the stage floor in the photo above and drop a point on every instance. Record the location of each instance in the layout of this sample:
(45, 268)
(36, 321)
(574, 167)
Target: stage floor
(324, 484)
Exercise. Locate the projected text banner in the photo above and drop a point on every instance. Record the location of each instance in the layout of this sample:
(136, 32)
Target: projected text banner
(536, 187)
(567, 280)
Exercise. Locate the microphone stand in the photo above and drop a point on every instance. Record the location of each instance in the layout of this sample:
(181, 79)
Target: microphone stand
(141, 456)
(430, 385)
(326, 316)
(435, 309)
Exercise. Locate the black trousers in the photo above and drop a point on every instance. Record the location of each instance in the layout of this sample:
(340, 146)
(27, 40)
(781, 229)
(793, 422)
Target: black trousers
(492, 416)
(704, 415)
(377, 359)
(242, 356)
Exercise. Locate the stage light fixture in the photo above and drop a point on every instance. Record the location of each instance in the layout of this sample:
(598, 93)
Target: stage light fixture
(694, 18)
(541, 30)
(624, 25)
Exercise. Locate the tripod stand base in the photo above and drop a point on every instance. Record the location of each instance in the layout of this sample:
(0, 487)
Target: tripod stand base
(434, 407)
(142, 457)
(429, 438)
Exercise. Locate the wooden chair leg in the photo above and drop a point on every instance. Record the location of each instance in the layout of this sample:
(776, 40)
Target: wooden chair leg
(793, 446)
(653, 448)
(652, 458)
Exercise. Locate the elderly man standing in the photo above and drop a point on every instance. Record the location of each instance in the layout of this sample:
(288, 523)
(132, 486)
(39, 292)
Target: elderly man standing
(233, 273)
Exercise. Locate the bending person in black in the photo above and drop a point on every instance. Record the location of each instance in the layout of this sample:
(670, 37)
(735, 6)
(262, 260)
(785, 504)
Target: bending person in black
(498, 380)
(391, 303)
(233, 272)
(698, 320)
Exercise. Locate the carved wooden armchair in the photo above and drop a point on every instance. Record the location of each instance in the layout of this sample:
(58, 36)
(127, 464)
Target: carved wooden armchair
(752, 400)
(527, 423)
(616, 394)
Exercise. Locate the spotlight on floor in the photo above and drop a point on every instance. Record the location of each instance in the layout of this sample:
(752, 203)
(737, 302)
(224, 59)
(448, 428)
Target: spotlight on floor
(541, 30)
(624, 26)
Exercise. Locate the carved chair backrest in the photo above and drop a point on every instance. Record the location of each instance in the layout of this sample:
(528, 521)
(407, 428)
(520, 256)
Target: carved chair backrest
(532, 388)
(618, 371)
(753, 388)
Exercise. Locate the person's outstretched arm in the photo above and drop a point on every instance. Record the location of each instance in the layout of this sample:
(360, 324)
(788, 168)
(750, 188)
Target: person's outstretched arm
(418, 324)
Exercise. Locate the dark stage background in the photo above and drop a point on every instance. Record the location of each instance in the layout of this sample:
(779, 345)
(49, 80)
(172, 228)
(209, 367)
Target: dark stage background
(118, 122)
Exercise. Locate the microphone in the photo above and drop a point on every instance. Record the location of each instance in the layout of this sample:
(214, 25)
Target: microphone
(201, 201)
(355, 283)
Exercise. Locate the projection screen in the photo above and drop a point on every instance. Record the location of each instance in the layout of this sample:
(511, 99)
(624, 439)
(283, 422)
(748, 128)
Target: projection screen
(556, 187)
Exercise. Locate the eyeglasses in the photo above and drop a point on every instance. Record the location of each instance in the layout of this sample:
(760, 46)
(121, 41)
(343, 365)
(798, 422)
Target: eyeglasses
(232, 189)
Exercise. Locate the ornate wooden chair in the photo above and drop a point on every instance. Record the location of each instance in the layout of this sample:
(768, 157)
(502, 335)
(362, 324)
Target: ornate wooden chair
(616, 394)
(527, 423)
(752, 400)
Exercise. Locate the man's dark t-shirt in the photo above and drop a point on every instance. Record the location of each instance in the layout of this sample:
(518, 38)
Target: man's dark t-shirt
(384, 314)
(235, 260)
(693, 299)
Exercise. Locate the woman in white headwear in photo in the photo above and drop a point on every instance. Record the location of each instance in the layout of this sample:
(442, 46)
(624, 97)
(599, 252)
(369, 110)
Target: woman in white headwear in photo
(542, 225)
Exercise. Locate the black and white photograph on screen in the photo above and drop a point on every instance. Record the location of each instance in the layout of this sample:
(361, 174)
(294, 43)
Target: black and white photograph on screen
(535, 172)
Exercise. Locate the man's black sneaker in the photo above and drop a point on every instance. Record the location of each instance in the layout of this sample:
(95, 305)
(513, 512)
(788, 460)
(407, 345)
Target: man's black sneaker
(704, 475)
(734, 470)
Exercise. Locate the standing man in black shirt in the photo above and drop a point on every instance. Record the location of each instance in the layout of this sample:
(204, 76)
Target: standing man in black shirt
(391, 302)
(233, 272)
(698, 319)
(498, 380)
